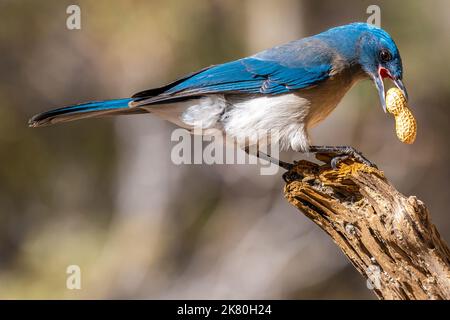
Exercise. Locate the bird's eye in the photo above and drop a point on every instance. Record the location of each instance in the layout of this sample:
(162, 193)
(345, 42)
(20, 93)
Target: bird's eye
(385, 56)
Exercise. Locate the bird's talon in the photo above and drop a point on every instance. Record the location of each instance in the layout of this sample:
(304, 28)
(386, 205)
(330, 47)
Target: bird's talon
(337, 160)
(360, 158)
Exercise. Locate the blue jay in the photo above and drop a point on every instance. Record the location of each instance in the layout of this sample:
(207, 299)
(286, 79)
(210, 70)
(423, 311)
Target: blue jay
(286, 89)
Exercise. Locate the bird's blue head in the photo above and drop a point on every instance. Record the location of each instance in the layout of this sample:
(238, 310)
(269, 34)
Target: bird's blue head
(379, 57)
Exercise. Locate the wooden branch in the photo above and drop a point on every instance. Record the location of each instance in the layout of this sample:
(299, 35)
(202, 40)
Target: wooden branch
(389, 238)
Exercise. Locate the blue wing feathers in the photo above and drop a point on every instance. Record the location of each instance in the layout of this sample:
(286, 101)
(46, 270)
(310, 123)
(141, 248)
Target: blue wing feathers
(249, 76)
(252, 76)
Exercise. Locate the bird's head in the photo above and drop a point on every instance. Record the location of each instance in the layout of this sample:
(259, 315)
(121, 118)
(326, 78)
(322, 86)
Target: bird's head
(379, 57)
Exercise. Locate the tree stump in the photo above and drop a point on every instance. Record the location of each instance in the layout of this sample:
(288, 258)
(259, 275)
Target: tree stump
(388, 237)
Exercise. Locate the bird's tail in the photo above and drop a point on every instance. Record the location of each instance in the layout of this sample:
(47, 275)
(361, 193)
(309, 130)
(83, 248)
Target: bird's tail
(85, 110)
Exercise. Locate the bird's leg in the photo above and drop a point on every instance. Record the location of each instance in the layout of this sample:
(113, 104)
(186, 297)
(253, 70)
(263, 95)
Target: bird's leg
(264, 156)
(340, 154)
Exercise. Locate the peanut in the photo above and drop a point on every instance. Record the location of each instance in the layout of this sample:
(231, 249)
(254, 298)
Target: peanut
(405, 123)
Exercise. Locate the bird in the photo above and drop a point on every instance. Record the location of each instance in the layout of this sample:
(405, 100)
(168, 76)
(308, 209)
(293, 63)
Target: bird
(287, 89)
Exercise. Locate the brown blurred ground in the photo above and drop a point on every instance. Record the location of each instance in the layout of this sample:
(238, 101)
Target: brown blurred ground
(104, 195)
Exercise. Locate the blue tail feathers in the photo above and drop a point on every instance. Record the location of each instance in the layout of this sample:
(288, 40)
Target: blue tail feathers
(85, 110)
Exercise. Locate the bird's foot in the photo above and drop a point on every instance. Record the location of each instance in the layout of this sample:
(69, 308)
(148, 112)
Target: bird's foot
(340, 154)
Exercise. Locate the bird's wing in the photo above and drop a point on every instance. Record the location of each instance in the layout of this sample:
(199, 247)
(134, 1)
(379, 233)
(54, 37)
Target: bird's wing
(246, 76)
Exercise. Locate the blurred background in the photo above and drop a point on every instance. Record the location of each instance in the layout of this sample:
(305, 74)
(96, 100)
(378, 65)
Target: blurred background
(103, 194)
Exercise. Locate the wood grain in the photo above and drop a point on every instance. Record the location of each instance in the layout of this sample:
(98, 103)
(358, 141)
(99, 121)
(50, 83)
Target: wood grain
(388, 237)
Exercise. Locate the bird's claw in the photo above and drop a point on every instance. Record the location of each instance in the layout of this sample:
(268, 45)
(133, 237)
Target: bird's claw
(336, 155)
(335, 161)
(358, 156)
(351, 153)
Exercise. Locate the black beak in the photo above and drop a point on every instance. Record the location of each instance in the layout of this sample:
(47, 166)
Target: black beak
(399, 84)
(380, 88)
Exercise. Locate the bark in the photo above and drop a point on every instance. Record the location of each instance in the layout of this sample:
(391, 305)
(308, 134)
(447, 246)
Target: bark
(388, 237)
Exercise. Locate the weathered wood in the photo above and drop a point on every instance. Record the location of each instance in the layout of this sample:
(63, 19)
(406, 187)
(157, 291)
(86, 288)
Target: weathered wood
(388, 237)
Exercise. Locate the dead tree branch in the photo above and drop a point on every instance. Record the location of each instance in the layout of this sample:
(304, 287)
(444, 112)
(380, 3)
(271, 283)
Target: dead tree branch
(388, 237)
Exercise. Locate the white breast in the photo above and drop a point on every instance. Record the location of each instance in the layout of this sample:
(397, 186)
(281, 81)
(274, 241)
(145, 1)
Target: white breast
(263, 119)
